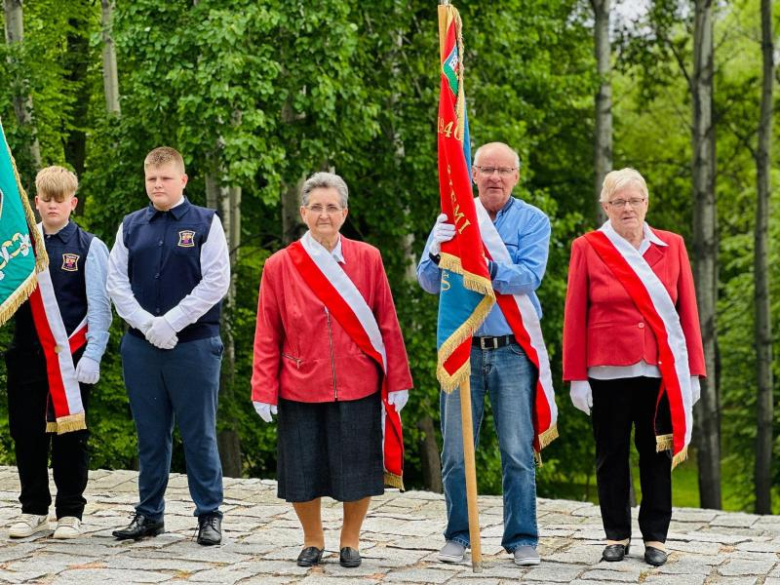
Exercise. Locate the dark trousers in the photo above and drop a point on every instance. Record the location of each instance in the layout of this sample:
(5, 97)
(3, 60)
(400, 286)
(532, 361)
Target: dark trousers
(619, 405)
(179, 385)
(28, 390)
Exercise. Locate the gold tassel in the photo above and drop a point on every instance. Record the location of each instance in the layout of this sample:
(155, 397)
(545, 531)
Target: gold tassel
(680, 457)
(664, 443)
(394, 481)
(20, 295)
(73, 422)
(548, 436)
(472, 282)
(51, 427)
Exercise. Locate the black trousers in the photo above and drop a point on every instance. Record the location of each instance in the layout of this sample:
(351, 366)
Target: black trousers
(619, 405)
(28, 389)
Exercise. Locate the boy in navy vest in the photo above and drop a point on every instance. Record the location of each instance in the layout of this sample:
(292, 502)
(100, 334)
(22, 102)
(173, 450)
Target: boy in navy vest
(168, 272)
(46, 408)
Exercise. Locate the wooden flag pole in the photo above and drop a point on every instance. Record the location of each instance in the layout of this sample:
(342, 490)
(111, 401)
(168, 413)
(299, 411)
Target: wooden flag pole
(467, 425)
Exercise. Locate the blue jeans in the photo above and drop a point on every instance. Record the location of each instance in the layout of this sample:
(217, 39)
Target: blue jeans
(180, 384)
(508, 377)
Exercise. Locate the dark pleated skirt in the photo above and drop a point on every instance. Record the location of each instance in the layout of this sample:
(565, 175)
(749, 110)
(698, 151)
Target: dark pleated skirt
(330, 449)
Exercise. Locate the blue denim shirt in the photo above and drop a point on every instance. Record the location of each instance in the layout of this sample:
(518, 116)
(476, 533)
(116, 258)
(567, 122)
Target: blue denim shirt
(525, 230)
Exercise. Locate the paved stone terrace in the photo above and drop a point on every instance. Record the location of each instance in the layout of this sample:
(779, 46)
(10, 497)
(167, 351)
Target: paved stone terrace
(401, 536)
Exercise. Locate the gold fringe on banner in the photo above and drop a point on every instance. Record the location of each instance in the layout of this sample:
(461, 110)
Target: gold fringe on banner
(12, 303)
(67, 424)
(664, 443)
(394, 481)
(548, 436)
(680, 457)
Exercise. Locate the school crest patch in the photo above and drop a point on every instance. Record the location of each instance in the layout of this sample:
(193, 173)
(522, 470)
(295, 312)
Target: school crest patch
(187, 239)
(70, 262)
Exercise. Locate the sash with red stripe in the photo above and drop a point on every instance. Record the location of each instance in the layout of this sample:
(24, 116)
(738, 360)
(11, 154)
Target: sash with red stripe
(342, 298)
(58, 349)
(521, 316)
(654, 303)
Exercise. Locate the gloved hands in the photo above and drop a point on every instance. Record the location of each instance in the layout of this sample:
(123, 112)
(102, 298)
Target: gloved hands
(88, 371)
(265, 410)
(161, 334)
(399, 398)
(442, 232)
(581, 395)
(141, 320)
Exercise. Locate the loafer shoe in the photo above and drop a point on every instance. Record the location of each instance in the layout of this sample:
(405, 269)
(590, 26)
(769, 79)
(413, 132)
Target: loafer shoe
(526, 556)
(140, 527)
(68, 527)
(452, 552)
(210, 529)
(310, 556)
(27, 525)
(655, 556)
(615, 552)
(349, 558)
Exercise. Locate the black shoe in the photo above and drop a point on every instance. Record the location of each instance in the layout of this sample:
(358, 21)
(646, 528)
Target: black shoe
(310, 556)
(349, 558)
(210, 529)
(615, 552)
(140, 527)
(655, 556)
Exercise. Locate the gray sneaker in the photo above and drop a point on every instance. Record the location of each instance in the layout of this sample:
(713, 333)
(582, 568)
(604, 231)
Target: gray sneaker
(452, 552)
(526, 555)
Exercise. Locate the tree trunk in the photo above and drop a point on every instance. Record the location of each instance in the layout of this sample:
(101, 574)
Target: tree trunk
(110, 73)
(602, 142)
(429, 456)
(227, 201)
(763, 319)
(705, 250)
(23, 105)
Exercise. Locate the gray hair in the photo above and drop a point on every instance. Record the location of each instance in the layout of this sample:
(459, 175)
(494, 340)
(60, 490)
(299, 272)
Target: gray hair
(325, 181)
(618, 180)
(491, 144)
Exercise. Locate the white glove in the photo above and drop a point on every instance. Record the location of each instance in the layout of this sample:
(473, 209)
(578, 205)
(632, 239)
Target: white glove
(88, 371)
(161, 334)
(265, 410)
(399, 398)
(581, 395)
(141, 320)
(695, 390)
(442, 232)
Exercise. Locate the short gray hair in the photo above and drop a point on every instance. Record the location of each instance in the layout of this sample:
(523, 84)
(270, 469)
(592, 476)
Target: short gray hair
(325, 181)
(618, 180)
(491, 144)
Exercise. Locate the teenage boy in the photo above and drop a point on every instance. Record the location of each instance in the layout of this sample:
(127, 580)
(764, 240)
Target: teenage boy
(168, 272)
(48, 388)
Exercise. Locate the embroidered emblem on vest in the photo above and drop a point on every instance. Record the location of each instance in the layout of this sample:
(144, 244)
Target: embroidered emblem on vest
(187, 239)
(70, 262)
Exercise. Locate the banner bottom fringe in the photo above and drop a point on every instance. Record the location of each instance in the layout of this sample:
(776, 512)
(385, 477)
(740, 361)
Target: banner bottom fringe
(394, 481)
(664, 443)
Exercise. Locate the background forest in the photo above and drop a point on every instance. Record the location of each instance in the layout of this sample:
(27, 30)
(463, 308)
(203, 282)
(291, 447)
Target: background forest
(258, 94)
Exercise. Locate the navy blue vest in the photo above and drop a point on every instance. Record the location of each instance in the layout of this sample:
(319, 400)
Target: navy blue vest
(164, 261)
(67, 251)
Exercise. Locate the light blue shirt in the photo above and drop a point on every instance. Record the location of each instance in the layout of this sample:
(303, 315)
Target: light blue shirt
(525, 230)
(98, 304)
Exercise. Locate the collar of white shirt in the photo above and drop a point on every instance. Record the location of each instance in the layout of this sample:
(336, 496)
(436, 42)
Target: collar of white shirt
(648, 236)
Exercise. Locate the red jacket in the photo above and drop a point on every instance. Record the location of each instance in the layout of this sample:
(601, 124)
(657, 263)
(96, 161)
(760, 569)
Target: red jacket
(603, 327)
(301, 353)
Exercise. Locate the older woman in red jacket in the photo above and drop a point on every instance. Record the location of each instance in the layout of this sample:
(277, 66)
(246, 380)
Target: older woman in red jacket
(330, 359)
(632, 351)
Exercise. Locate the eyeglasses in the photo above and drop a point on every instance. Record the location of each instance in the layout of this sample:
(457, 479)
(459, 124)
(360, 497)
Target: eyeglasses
(502, 171)
(329, 209)
(634, 202)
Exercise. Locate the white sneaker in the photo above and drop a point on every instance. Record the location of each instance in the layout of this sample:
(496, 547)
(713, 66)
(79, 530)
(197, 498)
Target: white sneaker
(68, 527)
(452, 552)
(27, 525)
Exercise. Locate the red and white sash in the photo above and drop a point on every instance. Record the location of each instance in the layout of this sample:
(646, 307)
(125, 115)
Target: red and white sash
(654, 303)
(58, 349)
(521, 316)
(345, 302)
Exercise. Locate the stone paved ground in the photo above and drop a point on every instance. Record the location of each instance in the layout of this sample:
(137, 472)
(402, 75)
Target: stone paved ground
(401, 536)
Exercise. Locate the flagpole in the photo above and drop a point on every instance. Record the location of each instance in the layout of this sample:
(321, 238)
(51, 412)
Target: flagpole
(471, 475)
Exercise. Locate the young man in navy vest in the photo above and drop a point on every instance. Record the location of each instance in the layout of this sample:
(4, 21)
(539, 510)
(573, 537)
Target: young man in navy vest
(168, 272)
(77, 266)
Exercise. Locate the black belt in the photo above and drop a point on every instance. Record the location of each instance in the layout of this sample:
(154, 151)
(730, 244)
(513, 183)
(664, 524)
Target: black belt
(492, 342)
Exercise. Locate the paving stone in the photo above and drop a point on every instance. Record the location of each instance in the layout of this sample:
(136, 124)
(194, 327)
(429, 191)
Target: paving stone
(88, 576)
(740, 567)
(631, 576)
(554, 573)
(681, 579)
(687, 565)
(422, 575)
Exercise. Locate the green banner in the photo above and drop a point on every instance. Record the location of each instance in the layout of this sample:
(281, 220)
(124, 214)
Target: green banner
(18, 262)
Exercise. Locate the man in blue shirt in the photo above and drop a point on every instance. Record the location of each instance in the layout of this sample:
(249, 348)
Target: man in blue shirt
(499, 367)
